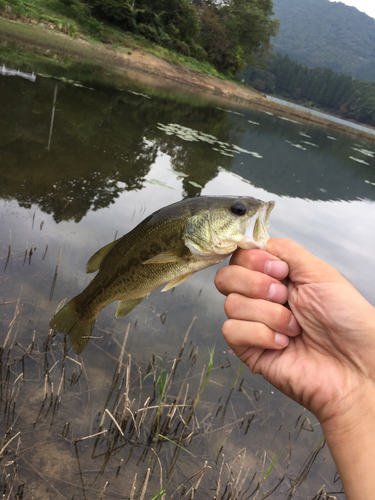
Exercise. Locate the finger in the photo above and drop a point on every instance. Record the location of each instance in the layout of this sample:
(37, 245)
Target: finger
(241, 335)
(261, 261)
(275, 316)
(304, 266)
(237, 279)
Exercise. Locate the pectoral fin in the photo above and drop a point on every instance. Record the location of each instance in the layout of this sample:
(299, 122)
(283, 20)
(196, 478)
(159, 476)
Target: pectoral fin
(95, 261)
(125, 306)
(172, 256)
(177, 281)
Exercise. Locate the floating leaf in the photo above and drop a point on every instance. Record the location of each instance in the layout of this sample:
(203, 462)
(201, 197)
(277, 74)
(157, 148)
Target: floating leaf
(365, 152)
(358, 160)
(158, 183)
(179, 174)
(288, 120)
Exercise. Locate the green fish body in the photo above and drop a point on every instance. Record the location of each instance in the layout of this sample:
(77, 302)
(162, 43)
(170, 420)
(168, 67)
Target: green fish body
(164, 249)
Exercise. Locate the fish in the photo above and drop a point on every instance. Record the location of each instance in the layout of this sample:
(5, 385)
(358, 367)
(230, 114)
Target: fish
(166, 248)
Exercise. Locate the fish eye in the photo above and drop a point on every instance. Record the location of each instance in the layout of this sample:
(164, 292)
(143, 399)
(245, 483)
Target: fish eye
(238, 208)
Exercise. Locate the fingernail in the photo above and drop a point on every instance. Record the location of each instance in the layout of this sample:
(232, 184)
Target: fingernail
(281, 339)
(277, 269)
(294, 326)
(278, 293)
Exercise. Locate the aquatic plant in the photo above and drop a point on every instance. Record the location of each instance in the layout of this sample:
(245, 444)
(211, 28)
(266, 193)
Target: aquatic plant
(146, 427)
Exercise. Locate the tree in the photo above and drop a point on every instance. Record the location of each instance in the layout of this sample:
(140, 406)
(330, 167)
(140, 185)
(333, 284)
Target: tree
(233, 31)
(214, 37)
(228, 33)
(250, 26)
(118, 12)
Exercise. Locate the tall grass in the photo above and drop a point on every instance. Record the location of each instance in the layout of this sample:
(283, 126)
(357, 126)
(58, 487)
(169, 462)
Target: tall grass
(149, 437)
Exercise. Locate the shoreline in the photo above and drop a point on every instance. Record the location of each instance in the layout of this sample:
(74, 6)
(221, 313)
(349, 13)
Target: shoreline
(138, 65)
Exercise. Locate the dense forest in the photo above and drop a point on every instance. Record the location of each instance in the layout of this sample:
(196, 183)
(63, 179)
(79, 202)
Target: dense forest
(326, 34)
(226, 33)
(322, 87)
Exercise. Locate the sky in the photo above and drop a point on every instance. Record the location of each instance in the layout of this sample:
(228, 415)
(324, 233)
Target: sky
(367, 6)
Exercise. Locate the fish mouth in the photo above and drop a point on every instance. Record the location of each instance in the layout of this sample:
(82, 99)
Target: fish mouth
(256, 235)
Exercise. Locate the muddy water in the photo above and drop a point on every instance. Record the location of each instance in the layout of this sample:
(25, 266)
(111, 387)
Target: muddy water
(82, 164)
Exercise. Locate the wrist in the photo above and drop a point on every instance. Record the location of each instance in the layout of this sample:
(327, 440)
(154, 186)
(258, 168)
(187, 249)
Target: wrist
(351, 415)
(351, 440)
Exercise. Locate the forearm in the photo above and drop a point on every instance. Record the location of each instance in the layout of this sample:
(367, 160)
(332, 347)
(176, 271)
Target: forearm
(351, 440)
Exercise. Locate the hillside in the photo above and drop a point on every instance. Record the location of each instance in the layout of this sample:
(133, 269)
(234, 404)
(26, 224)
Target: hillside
(326, 34)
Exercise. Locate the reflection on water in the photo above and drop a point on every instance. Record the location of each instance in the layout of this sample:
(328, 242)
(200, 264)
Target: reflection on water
(325, 116)
(87, 166)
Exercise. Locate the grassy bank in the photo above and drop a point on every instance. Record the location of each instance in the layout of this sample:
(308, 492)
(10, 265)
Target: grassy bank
(75, 21)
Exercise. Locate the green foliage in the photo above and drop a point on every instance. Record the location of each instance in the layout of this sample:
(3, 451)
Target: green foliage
(319, 86)
(118, 12)
(214, 37)
(14, 8)
(147, 17)
(198, 52)
(327, 34)
(95, 27)
(271, 465)
(68, 3)
(148, 31)
(225, 34)
(183, 48)
(209, 367)
(232, 32)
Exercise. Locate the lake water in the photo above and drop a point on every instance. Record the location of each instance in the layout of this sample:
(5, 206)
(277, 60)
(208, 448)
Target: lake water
(325, 116)
(84, 163)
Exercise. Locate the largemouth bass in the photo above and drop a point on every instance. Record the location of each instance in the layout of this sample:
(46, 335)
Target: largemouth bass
(165, 249)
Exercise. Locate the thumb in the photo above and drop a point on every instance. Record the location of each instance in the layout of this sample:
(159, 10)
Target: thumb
(304, 267)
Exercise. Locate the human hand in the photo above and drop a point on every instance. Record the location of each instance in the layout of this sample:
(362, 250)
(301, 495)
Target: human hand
(323, 354)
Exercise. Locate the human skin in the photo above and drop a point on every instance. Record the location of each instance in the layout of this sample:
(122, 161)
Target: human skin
(321, 352)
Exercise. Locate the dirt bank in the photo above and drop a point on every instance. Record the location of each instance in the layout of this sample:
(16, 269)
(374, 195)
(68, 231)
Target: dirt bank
(160, 72)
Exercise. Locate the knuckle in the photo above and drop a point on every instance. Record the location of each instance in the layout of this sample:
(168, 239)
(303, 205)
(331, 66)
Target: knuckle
(282, 316)
(218, 280)
(230, 304)
(221, 278)
(227, 328)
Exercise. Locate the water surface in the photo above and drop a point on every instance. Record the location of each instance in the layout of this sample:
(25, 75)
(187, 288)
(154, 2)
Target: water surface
(325, 116)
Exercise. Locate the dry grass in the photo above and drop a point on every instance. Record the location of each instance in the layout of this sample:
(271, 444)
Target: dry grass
(141, 441)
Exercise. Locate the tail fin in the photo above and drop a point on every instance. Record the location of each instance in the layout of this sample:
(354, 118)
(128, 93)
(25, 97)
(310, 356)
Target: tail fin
(67, 321)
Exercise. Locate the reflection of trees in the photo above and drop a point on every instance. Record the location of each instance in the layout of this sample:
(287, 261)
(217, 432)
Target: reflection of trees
(99, 139)
(105, 142)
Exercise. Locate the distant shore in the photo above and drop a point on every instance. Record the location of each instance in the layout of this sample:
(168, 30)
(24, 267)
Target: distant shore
(158, 72)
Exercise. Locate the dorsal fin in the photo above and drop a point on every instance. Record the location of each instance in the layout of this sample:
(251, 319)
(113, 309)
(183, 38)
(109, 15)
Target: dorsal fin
(96, 260)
